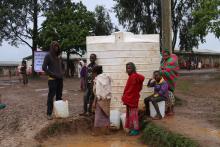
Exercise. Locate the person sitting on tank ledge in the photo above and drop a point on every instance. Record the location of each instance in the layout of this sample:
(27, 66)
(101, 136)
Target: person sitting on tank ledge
(160, 93)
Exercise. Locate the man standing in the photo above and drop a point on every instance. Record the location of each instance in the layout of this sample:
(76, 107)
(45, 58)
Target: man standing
(53, 68)
(89, 95)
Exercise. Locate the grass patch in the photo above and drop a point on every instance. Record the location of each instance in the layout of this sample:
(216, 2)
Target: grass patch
(64, 126)
(179, 101)
(184, 85)
(156, 136)
(217, 77)
(34, 77)
(58, 127)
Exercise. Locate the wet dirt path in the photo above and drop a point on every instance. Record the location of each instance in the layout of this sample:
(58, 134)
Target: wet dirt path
(25, 112)
(204, 133)
(25, 116)
(199, 115)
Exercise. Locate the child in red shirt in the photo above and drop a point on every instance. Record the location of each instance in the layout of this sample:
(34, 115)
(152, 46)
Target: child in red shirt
(131, 97)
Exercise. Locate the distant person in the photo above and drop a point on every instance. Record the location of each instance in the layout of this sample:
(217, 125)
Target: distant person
(102, 91)
(2, 106)
(192, 65)
(72, 68)
(79, 67)
(19, 73)
(24, 72)
(131, 97)
(10, 74)
(188, 65)
(199, 65)
(83, 73)
(89, 95)
(52, 66)
(160, 93)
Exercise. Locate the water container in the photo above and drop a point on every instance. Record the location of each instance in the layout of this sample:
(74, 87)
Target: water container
(161, 106)
(61, 109)
(115, 119)
(123, 117)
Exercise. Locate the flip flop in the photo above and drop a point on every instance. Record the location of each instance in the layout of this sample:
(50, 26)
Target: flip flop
(2, 106)
(134, 133)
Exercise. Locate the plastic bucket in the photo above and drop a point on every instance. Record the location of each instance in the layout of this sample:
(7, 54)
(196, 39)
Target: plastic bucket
(115, 119)
(61, 109)
(161, 106)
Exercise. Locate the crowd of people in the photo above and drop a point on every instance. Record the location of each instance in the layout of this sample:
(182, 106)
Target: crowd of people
(192, 65)
(98, 91)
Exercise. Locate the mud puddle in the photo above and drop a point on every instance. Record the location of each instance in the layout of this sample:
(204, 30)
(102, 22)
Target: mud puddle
(117, 140)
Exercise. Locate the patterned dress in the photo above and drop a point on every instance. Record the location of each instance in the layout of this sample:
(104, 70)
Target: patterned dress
(169, 70)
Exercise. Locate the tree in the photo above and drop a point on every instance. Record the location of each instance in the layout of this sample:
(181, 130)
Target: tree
(103, 24)
(207, 18)
(19, 23)
(69, 23)
(188, 40)
(144, 16)
(138, 16)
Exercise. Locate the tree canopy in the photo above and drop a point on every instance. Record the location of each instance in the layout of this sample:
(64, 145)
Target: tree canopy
(69, 23)
(16, 19)
(103, 25)
(207, 18)
(144, 16)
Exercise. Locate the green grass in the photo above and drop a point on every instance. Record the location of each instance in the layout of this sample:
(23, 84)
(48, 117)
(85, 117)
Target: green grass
(59, 127)
(179, 101)
(34, 77)
(184, 85)
(217, 77)
(156, 136)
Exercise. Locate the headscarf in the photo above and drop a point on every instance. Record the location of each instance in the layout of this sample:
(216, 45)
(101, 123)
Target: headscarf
(166, 50)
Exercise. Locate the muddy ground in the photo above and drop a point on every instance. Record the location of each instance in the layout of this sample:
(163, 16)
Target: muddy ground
(25, 114)
(198, 117)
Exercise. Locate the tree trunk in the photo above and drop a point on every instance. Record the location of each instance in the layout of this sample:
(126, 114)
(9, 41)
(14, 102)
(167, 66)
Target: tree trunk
(166, 24)
(175, 31)
(68, 65)
(35, 34)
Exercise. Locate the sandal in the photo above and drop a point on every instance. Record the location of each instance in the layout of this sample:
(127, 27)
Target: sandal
(2, 106)
(134, 133)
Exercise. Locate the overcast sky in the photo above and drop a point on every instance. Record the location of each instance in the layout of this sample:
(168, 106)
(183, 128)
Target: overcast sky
(9, 53)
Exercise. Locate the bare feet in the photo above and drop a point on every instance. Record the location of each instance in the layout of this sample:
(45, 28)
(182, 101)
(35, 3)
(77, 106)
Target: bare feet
(157, 117)
(83, 114)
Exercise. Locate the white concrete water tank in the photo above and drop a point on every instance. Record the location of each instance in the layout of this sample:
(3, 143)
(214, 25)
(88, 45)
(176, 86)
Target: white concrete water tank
(114, 51)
